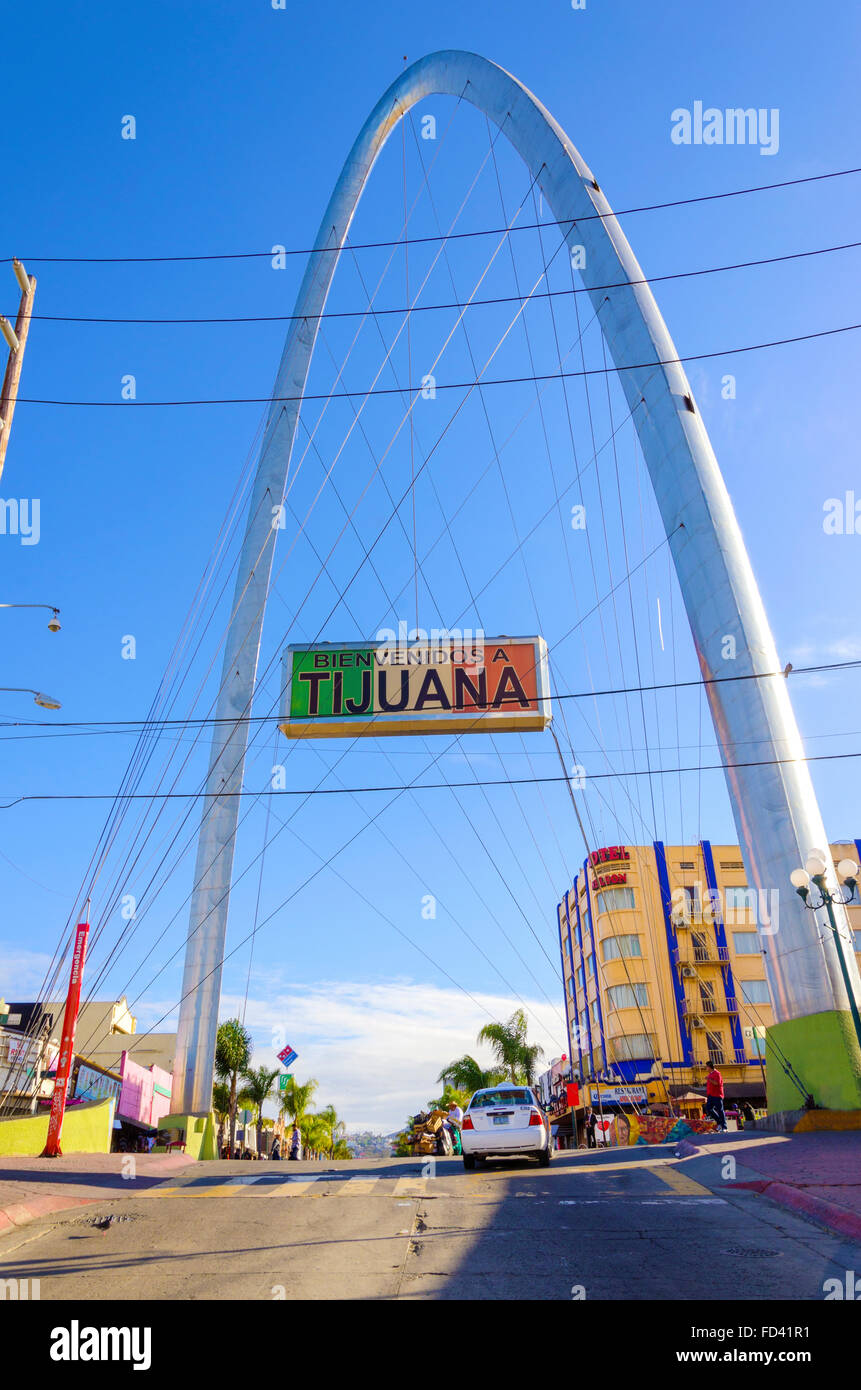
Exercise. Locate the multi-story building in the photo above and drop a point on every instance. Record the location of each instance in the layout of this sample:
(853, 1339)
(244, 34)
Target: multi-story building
(662, 958)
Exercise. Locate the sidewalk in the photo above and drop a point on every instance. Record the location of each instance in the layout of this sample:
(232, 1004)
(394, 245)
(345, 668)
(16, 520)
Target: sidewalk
(34, 1187)
(817, 1174)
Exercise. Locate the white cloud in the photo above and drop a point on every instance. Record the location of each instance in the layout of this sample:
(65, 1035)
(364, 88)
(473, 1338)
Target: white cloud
(22, 972)
(377, 1049)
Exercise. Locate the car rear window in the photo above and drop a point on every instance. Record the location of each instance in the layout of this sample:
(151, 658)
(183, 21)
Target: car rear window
(483, 1099)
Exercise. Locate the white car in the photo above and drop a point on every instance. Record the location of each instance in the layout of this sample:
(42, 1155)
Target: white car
(505, 1122)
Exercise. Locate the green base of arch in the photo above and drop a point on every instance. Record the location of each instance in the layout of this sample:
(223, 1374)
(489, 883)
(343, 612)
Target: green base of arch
(824, 1052)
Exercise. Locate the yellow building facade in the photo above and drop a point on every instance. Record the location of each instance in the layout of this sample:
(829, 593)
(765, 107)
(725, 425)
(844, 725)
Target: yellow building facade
(664, 974)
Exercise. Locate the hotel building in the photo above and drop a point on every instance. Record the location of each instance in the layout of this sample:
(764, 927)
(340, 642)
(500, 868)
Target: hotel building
(662, 950)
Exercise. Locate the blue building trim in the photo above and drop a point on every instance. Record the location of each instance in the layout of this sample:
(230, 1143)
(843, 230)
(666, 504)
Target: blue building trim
(585, 993)
(595, 959)
(562, 965)
(574, 983)
(672, 945)
(720, 935)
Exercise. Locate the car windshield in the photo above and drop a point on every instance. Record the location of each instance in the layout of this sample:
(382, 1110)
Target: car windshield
(483, 1099)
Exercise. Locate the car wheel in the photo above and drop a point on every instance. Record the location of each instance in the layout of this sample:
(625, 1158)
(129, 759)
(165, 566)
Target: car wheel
(544, 1158)
(469, 1162)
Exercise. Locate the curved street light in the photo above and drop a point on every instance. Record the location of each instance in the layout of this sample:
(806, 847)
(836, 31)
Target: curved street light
(54, 621)
(46, 701)
(814, 871)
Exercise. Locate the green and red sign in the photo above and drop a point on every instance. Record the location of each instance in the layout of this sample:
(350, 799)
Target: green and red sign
(337, 690)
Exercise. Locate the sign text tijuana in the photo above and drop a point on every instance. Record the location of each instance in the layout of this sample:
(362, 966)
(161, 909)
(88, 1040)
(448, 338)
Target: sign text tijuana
(337, 690)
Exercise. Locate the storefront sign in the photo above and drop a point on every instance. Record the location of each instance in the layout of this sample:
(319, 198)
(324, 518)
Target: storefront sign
(607, 880)
(91, 1084)
(608, 854)
(337, 690)
(617, 1095)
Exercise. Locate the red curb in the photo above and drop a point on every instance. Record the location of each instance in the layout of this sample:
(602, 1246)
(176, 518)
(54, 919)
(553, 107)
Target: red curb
(840, 1219)
(20, 1213)
(836, 1218)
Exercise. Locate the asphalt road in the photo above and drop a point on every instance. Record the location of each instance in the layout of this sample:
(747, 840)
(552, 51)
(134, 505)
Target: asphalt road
(594, 1226)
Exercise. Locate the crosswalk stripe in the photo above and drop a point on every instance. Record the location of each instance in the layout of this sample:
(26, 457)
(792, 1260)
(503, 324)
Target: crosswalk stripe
(680, 1182)
(359, 1187)
(411, 1187)
(290, 1188)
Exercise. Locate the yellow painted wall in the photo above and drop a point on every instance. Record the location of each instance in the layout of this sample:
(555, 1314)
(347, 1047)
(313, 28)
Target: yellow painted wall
(87, 1129)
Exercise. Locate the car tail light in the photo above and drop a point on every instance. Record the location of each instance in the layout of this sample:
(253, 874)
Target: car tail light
(467, 1122)
(535, 1117)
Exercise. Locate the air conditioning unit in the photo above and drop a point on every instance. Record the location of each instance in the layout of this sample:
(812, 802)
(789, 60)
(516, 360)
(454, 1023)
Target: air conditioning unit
(697, 1022)
(688, 972)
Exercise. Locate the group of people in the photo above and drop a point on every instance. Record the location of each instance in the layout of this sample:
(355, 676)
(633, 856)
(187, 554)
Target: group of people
(294, 1145)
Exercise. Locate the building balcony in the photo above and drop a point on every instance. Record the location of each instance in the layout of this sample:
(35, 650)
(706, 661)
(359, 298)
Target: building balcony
(693, 954)
(706, 1008)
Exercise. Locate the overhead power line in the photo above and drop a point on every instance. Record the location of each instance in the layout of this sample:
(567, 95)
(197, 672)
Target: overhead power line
(453, 236)
(460, 385)
(203, 720)
(426, 786)
(371, 312)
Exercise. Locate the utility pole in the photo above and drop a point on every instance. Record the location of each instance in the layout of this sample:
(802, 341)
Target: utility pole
(16, 339)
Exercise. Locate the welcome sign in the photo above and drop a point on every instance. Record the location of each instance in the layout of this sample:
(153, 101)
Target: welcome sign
(339, 690)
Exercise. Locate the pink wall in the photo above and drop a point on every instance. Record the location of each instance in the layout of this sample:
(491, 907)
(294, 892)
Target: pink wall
(138, 1099)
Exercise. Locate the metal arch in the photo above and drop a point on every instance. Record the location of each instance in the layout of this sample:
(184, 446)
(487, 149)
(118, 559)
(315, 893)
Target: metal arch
(775, 808)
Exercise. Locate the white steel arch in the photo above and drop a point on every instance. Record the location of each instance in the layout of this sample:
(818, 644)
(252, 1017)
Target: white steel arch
(774, 805)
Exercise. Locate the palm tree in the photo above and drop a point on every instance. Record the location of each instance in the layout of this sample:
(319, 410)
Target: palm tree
(315, 1134)
(232, 1058)
(221, 1110)
(342, 1150)
(296, 1099)
(465, 1074)
(258, 1089)
(335, 1128)
(508, 1043)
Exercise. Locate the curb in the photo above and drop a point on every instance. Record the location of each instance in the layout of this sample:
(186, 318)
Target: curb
(20, 1213)
(836, 1218)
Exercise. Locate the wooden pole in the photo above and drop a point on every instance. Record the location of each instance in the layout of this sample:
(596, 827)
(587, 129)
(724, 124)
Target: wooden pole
(12, 377)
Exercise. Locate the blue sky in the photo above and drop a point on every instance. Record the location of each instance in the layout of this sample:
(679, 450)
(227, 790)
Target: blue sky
(244, 115)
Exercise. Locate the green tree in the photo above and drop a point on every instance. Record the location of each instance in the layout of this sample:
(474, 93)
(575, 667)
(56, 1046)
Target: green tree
(514, 1054)
(335, 1128)
(221, 1109)
(466, 1074)
(315, 1135)
(258, 1088)
(232, 1059)
(296, 1099)
(452, 1096)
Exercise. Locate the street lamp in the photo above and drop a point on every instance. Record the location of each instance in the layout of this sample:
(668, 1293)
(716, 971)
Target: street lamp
(46, 701)
(814, 870)
(53, 622)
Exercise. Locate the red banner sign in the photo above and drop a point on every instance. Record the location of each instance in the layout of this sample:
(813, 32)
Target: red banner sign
(67, 1046)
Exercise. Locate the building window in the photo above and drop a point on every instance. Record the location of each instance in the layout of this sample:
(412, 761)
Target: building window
(746, 943)
(628, 996)
(688, 865)
(584, 1021)
(587, 921)
(632, 1045)
(739, 902)
(612, 899)
(570, 986)
(616, 946)
(755, 991)
(590, 965)
(581, 978)
(594, 1010)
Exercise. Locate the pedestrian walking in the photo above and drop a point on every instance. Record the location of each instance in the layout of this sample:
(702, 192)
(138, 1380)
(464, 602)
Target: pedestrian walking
(714, 1099)
(276, 1151)
(296, 1143)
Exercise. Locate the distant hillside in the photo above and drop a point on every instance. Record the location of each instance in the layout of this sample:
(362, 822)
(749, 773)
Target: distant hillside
(370, 1145)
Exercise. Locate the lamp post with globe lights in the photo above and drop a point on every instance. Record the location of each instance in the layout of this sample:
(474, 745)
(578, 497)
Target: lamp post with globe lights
(814, 872)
